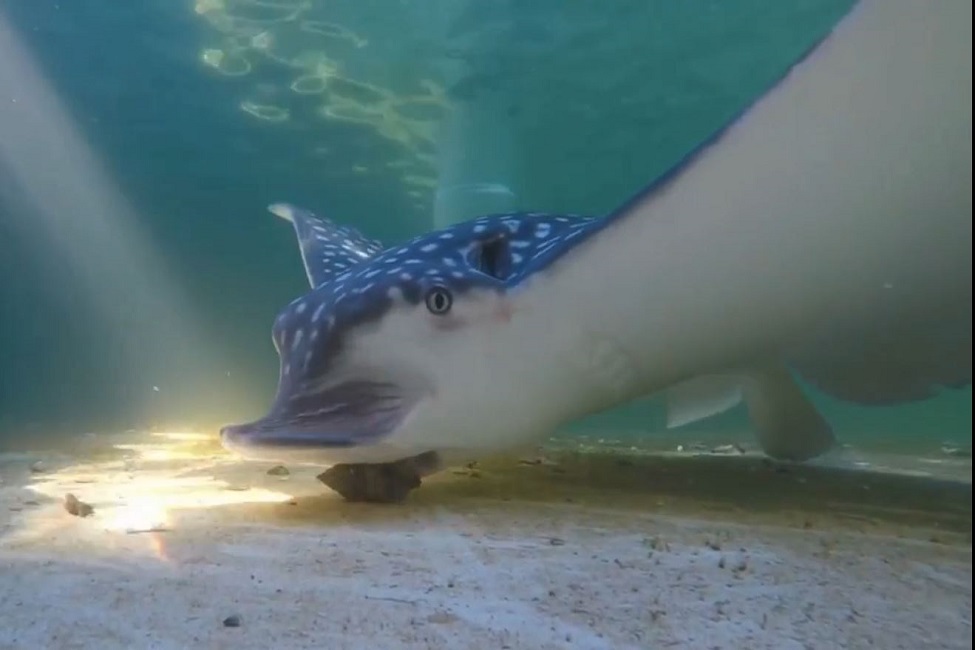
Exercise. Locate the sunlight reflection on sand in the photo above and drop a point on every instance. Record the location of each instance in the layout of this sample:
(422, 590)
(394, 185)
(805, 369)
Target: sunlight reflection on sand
(141, 489)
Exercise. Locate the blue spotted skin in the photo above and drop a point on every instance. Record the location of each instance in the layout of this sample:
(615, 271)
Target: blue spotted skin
(327, 248)
(354, 283)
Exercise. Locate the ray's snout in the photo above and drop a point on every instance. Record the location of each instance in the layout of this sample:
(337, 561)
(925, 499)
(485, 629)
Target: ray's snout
(265, 434)
(233, 436)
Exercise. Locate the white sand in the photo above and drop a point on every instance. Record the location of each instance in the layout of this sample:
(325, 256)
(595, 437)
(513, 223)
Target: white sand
(474, 573)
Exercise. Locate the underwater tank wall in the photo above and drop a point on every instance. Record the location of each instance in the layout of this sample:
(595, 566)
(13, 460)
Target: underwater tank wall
(156, 310)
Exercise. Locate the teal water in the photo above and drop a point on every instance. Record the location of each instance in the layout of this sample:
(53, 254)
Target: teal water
(205, 112)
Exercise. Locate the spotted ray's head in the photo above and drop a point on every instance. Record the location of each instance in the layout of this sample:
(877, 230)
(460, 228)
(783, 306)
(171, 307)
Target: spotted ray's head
(386, 334)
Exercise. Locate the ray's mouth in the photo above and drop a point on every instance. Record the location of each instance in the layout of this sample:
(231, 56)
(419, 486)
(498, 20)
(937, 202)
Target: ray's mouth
(348, 414)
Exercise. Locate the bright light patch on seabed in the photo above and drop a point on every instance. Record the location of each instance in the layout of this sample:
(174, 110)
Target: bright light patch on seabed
(89, 229)
(141, 488)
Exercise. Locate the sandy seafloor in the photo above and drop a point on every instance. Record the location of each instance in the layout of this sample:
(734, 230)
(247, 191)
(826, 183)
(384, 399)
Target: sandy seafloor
(561, 550)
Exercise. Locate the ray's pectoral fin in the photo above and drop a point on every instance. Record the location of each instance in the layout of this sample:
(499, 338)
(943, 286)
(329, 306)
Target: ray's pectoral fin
(892, 353)
(327, 249)
(702, 397)
(787, 424)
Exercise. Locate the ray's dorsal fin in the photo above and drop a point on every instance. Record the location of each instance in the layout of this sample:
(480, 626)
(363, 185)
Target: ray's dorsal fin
(327, 249)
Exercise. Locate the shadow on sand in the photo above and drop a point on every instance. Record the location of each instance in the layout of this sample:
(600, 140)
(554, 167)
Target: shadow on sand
(742, 489)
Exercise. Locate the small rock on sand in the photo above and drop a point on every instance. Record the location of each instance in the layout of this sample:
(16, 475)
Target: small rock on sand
(77, 507)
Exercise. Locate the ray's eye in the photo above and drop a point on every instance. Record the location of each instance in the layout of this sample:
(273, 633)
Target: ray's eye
(439, 300)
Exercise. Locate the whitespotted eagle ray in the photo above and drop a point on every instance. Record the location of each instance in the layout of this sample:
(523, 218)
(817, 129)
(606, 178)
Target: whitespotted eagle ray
(825, 232)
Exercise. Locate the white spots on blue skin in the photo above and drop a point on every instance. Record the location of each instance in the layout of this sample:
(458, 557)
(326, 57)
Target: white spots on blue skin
(531, 235)
(356, 280)
(547, 247)
(327, 246)
(317, 314)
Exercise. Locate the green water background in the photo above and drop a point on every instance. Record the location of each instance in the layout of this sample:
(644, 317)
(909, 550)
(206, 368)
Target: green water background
(596, 98)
